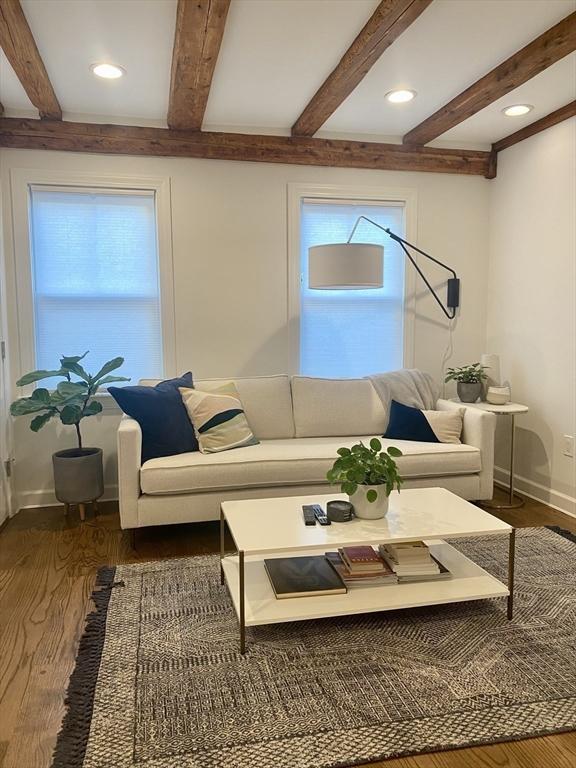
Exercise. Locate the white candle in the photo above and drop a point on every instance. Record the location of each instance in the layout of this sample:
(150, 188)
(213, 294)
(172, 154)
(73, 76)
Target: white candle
(492, 369)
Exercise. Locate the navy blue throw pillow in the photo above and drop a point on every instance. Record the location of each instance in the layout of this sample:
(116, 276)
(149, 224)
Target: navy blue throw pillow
(408, 423)
(162, 415)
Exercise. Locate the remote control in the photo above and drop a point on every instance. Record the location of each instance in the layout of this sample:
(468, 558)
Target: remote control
(308, 513)
(320, 515)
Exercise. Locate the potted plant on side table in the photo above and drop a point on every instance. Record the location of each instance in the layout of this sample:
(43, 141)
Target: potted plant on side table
(78, 472)
(468, 380)
(368, 475)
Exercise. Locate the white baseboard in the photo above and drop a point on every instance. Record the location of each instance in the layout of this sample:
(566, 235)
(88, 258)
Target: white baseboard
(533, 490)
(32, 499)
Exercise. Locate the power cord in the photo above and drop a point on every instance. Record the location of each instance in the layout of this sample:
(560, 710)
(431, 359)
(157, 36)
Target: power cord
(448, 353)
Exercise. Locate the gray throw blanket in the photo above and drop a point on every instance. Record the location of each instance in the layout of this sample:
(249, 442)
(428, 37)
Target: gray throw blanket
(408, 386)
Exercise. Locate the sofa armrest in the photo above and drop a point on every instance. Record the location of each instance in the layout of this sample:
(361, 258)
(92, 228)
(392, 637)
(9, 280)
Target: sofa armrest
(129, 440)
(478, 430)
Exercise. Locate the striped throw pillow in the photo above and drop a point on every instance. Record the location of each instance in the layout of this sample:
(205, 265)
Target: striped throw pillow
(218, 418)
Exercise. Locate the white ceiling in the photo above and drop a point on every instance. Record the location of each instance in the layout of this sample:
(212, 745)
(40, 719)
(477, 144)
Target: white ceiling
(73, 34)
(450, 46)
(276, 53)
(549, 90)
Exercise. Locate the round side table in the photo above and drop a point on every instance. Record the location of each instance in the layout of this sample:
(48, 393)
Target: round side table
(511, 410)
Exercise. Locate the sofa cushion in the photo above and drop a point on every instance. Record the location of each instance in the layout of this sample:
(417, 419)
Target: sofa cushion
(297, 461)
(267, 402)
(336, 407)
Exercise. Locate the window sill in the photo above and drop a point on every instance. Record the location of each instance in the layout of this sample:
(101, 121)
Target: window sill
(109, 405)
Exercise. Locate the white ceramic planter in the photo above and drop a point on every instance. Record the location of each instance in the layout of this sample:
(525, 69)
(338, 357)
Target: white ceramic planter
(366, 510)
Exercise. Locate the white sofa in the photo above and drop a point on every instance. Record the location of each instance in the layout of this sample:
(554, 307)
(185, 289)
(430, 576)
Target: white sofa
(300, 423)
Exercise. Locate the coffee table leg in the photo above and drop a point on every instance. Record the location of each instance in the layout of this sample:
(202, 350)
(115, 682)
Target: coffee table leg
(511, 553)
(242, 616)
(221, 546)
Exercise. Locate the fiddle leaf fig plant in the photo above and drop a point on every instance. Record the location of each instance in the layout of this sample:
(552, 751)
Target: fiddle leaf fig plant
(466, 374)
(366, 465)
(71, 401)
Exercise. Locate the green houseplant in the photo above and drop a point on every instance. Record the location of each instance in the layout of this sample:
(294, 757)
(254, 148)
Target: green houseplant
(468, 380)
(368, 475)
(78, 472)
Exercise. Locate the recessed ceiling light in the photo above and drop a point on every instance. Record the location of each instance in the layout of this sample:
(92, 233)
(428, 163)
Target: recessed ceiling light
(401, 96)
(108, 71)
(517, 109)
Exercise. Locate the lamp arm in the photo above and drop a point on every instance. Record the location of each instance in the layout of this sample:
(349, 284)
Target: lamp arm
(450, 315)
(453, 290)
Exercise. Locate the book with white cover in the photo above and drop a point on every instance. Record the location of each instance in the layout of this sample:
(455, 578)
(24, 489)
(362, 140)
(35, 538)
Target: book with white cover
(443, 573)
(424, 565)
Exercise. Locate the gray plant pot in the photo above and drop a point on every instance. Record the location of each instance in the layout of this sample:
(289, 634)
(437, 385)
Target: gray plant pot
(78, 475)
(469, 392)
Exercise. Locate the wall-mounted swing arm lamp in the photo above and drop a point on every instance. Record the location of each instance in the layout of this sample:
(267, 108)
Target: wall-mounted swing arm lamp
(352, 266)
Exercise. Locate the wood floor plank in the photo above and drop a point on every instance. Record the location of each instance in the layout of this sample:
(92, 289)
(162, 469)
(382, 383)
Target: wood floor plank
(47, 569)
(556, 751)
(23, 630)
(42, 703)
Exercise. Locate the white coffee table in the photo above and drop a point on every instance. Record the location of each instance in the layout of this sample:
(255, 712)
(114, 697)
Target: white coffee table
(266, 528)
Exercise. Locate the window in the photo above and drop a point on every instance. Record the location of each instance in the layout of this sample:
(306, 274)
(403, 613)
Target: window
(356, 332)
(95, 277)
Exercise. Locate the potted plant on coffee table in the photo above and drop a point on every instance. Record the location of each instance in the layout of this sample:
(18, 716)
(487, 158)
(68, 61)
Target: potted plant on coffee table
(468, 380)
(368, 475)
(78, 472)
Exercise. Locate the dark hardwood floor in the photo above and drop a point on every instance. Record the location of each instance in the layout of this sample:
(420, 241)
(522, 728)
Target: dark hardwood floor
(47, 568)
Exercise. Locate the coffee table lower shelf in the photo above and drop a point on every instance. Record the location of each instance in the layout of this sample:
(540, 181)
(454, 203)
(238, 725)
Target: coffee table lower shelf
(468, 582)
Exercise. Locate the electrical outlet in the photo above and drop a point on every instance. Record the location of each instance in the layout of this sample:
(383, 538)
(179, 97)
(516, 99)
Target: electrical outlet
(568, 446)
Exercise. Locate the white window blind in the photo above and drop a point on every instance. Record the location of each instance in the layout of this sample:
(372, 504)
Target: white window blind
(358, 332)
(95, 278)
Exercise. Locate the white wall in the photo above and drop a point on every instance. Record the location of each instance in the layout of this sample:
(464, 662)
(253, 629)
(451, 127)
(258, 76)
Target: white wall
(532, 305)
(229, 229)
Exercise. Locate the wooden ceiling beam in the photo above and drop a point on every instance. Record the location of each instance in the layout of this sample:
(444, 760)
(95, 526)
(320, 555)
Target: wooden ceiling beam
(541, 53)
(160, 142)
(569, 110)
(199, 31)
(17, 42)
(390, 19)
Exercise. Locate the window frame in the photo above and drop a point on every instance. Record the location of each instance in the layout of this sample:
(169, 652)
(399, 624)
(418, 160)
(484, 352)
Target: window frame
(407, 197)
(22, 181)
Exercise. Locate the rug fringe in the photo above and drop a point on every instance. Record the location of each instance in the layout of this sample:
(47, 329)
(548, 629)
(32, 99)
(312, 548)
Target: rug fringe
(562, 532)
(72, 740)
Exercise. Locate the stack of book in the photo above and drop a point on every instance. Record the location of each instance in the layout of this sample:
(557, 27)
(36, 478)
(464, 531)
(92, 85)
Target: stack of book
(412, 561)
(361, 566)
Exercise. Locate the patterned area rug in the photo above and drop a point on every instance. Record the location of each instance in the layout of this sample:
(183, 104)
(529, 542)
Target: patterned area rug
(159, 682)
